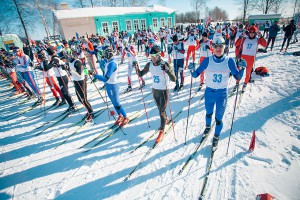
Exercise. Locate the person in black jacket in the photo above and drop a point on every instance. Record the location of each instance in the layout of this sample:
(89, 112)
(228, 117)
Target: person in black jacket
(289, 31)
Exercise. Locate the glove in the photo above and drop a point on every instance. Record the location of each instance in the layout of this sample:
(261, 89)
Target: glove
(191, 66)
(147, 48)
(162, 66)
(242, 63)
(91, 72)
(176, 48)
(207, 47)
(181, 51)
(126, 48)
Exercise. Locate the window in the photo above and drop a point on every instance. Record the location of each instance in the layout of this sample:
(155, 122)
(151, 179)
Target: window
(105, 27)
(162, 22)
(169, 22)
(154, 22)
(128, 25)
(115, 26)
(136, 24)
(143, 24)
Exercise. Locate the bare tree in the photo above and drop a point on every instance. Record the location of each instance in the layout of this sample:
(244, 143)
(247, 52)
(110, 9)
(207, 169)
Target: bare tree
(265, 6)
(218, 14)
(246, 6)
(197, 5)
(138, 2)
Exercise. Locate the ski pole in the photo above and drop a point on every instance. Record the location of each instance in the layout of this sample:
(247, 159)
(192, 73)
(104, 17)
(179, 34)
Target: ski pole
(105, 103)
(143, 97)
(187, 120)
(236, 97)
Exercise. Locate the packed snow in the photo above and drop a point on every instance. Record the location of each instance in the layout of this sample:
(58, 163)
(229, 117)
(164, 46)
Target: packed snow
(39, 166)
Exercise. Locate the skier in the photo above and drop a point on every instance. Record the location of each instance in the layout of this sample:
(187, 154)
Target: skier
(266, 29)
(178, 61)
(25, 67)
(131, 55)
(192, 41)
(162, 36)
(247, 51)
(10, 66)
(161, 74)
(76, 68)
(61, 76)
(111, 84)
(218, 68)
(49, 74)
(289, 31)
(273, 30)
(205, 46)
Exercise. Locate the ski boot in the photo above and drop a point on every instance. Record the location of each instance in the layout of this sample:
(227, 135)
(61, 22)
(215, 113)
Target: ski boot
(176, 88)
(124, 122)
(39, 101)
(89, 117)
(160, 136)
(57, 102)
(235, 88)
(129, 88)
(244, 87)
(215, 142)
(200, 86)
(119, 120)
(63, 102)
(71, 109)
(181, 87)
(206, 131)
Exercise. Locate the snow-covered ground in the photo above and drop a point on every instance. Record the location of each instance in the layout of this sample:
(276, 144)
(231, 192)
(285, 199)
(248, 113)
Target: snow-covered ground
(38, 167)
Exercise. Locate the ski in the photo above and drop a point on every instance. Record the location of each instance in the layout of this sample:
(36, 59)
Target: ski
(240, 99)
(134, 116)
(23, 111)
(43, 112)
(64, 116)
(210, 160)
(201, 142)
(151, 136)
(196, 92)
(98, 113)
(146, 154)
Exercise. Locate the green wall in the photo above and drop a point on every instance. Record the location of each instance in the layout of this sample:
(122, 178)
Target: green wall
(121, 19)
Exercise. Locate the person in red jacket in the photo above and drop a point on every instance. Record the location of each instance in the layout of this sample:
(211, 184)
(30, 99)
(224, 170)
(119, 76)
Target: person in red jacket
(206, 50)
(248, 48)
(192, 41)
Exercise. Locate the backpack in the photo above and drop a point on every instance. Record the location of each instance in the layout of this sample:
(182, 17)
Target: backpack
(262, 71)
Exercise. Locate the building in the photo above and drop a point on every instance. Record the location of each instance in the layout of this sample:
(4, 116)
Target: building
(261, 19)
(103, 20)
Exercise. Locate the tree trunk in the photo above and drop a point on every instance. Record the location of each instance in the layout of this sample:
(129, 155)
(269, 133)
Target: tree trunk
(43, 19)
(22, 22)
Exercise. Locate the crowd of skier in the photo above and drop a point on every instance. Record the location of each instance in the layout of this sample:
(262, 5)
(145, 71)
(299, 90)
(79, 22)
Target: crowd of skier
(171, 51)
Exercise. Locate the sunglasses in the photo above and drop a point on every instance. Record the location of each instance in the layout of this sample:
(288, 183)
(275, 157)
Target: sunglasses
(218, 45)
(251, 32)
(154, 55)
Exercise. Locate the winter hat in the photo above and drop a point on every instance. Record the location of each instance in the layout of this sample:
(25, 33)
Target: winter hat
(155, 50)
(151, 41)
(219, 40)
(50, 51)
(204, 34)
(252, 29)
(241, 26)
(175, 38)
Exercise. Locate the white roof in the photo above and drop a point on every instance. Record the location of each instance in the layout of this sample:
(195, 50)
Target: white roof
(108, 11)
(264, 16)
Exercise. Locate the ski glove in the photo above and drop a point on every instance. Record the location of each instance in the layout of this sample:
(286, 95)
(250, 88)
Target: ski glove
(191, 67)
(207, 47)
(176, 48)
(242, 63)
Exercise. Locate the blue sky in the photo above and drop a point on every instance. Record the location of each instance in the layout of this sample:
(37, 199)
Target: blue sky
(230, 6)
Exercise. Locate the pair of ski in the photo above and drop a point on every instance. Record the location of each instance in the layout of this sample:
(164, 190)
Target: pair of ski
(111, 130)
(21, 112)
(85, 124)
(168, 129)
